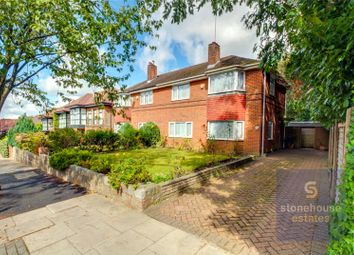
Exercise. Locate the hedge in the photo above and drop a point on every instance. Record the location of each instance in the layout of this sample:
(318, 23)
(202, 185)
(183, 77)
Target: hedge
(4, 148)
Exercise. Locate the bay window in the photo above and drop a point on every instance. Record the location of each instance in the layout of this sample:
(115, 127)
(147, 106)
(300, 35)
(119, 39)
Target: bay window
(180, 92)
(100, 117)
(226, 130)
(78, 117)
(62, 120)
(226, 82)
(146, 97)
(180, 129)
(90, 118)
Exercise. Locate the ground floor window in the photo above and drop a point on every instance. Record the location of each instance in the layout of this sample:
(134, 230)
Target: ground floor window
(141, 124)
(270, 130)
(226, 130)
(180, 129)
(62, 120)
(118, 126)
(47, 124)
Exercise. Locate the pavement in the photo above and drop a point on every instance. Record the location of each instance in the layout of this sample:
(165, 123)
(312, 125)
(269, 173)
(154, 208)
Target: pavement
(255, 209)
(25, 188)
(86, 224)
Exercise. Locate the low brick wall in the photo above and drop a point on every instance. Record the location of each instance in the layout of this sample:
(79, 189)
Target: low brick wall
(146, 195)
(141, 197)
(86, 178)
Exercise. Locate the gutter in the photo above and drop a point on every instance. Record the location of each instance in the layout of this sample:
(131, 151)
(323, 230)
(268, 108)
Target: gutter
(263, 112)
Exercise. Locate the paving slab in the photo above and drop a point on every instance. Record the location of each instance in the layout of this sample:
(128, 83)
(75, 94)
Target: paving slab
(62, 247)
(28, 227)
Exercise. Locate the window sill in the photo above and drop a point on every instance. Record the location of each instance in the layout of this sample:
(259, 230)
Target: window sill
(184, 99)
(239, 91)
(185, 137)
(224, 139)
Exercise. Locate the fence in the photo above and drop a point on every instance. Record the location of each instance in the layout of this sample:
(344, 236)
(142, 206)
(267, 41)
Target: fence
(338, 138)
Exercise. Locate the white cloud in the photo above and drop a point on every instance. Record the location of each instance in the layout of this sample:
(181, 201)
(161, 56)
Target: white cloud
(193, 36)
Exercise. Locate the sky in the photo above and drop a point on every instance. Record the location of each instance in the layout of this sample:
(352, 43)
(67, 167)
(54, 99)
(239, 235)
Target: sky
(178, 46)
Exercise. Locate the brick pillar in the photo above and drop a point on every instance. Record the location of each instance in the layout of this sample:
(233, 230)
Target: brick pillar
(151, 71)
(213, 53)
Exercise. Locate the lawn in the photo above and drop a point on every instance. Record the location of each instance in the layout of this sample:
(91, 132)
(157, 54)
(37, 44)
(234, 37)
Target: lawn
(162, 162)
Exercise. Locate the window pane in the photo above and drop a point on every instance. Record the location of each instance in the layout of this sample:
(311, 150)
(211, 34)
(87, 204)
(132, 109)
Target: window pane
(221, 130)
(241, 79)
(239, 130)
(175, 93)
(180, 129)
(223, 82)
(172, 129)
(270, 130)
(184, 92)
(189, 129)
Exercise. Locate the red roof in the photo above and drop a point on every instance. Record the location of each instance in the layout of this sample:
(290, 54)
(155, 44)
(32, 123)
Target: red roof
(6, 124)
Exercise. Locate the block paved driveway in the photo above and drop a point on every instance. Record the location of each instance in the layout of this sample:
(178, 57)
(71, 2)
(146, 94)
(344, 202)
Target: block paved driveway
(243, 211)
(25, 188)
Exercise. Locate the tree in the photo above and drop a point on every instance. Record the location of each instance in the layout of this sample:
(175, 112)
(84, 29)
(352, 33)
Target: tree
(314, 38)
(79, 42)
(24, 124)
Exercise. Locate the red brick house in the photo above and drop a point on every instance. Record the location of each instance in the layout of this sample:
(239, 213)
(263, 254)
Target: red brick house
(229, 101)
(226, 99)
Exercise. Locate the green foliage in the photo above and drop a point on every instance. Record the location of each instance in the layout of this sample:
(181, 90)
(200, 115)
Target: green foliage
(100, 140)
(149, 134)
(128, 136)
(63, 138)
(23, 125)
(55, 121)
(99, 163)
(315, 39)
(32, 141)
(63, 159)
(4, 147)
(77, 41)
(342, 220)
(129, 171)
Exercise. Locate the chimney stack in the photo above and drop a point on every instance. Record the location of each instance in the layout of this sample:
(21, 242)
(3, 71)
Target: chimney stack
(213, 53)
(151, 71)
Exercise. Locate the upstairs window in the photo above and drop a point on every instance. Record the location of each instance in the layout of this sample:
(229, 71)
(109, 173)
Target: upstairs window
(180, 129)
(146, 97)
(226, 82)
(271, 85)
(226, 130)
(124, 101)
(180, 92)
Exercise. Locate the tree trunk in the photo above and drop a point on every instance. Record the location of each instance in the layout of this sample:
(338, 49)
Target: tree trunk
(3, 95)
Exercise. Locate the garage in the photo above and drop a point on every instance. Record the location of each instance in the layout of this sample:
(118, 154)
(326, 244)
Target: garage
(306, 134)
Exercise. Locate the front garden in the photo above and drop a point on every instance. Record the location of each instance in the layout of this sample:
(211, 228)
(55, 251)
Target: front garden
(130, 156)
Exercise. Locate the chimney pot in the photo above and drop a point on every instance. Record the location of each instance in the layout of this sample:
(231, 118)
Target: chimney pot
(213, 53)
(151, 71)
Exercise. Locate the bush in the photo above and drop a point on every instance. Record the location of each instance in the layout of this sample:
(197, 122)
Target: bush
(63, 159)
(129, 171)
(149, 134)
(23, 125)
(4, 148)
(100, 140)
(31, 141)
(63, 139)
(99, 163)
(128, 137)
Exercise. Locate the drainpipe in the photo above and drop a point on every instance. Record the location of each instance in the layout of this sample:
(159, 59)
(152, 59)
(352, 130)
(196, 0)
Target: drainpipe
(263, 112)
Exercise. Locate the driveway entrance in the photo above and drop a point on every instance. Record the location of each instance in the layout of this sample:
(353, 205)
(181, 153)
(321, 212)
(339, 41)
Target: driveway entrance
(275, 205)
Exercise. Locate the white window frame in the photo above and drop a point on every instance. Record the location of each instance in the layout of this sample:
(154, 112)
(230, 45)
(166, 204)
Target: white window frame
(89, 119)
(271, 85)
(75, 116)
(176, 97)
(176, 136)
(144, 95)
(124, 100)
(62, 120)
(234, 138)
(234, 89)
(100, 116)
(272, 130)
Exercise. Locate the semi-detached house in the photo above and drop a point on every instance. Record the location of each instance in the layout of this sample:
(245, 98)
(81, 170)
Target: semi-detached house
(229, 101)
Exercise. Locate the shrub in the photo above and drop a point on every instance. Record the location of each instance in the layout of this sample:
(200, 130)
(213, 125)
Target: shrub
(100, 140)
(4, 148)
(23, 125)
(31, 141)
(63, 139)
(149, 134)
(128, 137)
(98, 163)
(63, 159)
(129, 171)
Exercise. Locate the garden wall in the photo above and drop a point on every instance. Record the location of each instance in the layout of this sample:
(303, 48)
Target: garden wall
(141, 197)
(86, 178)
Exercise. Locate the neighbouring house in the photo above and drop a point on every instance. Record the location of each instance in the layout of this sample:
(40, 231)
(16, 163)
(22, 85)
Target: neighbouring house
(5, 125)
(228, 103)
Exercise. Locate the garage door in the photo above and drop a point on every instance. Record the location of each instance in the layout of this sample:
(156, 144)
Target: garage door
(308, 137)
